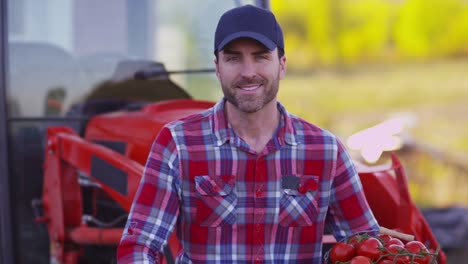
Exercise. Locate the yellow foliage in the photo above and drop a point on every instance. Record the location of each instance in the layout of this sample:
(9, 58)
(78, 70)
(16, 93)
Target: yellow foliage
(342, 32)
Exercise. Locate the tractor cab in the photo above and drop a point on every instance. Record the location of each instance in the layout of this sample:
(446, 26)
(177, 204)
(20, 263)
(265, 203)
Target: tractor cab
(102, 69)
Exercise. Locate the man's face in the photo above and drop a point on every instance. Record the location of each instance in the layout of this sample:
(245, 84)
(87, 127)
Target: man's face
(249, 74)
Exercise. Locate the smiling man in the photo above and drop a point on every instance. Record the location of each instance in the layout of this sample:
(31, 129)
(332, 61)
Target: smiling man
(245, 181)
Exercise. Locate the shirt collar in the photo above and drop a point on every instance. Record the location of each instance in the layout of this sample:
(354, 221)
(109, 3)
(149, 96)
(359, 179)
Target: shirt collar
(223, 132)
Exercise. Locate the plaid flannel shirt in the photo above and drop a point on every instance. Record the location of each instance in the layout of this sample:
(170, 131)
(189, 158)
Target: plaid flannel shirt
(230, 204)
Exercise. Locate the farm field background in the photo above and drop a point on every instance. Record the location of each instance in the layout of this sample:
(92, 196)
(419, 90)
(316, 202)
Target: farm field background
(434, 96)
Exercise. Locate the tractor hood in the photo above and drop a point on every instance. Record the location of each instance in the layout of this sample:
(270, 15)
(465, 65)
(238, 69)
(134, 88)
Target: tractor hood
(131, 132)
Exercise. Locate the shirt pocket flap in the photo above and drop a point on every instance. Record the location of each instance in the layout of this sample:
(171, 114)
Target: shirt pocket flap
(305, 184)
(214, 186)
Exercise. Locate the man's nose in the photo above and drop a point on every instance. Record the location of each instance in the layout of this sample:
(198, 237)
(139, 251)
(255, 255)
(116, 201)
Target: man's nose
(248, 69)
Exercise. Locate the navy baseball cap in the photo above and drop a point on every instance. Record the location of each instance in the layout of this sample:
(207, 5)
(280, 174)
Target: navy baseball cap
(251, 22)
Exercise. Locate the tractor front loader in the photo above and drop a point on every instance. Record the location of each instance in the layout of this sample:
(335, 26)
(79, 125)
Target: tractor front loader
(90, 181)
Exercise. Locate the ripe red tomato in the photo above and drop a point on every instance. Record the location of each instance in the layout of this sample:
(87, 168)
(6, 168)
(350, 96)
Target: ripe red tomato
(342, 252)
(394, 241)
(416, 247)
(398, 259)
(370, 247)
(360, 260)
(385, 261)
(355, 240)
(422, 259)
(384, 238)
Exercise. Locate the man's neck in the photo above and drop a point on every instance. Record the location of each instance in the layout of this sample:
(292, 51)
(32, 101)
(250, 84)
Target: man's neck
(255, 128)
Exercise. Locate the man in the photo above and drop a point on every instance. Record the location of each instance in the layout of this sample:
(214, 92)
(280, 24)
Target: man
(245, 181)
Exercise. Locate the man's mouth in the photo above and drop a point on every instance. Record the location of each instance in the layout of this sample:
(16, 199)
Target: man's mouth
(250, 87)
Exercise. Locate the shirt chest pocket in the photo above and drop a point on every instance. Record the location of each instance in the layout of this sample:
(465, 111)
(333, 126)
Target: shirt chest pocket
(216, 200)
(299, 202)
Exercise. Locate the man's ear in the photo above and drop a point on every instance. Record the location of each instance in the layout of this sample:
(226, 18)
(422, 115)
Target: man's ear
(282, 71)
(217, 67)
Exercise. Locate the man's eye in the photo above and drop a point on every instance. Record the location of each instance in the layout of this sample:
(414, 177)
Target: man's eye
(232, 58)
(262, 57)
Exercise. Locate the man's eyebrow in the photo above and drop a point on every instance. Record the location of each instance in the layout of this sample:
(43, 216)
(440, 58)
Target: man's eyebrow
(231, 52)
(263, 51)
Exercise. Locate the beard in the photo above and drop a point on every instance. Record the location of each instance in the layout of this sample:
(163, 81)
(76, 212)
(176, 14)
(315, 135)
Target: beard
(250, 103)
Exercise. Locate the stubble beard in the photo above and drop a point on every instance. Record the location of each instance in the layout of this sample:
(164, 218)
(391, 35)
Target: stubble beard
(250, 103)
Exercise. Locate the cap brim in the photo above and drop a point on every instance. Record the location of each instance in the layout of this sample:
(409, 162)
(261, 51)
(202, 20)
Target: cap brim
(247, 34)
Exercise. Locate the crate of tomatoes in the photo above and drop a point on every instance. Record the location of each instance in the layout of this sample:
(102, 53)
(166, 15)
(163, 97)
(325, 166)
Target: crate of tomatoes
(384, 248)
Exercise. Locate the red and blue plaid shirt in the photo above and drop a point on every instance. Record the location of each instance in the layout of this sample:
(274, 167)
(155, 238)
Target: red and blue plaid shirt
(230, 204)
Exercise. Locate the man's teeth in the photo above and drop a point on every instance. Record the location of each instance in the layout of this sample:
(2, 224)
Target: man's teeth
(250, 88)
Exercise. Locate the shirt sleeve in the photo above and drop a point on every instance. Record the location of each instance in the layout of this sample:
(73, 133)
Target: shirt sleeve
(349, 212)
(155, 206)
